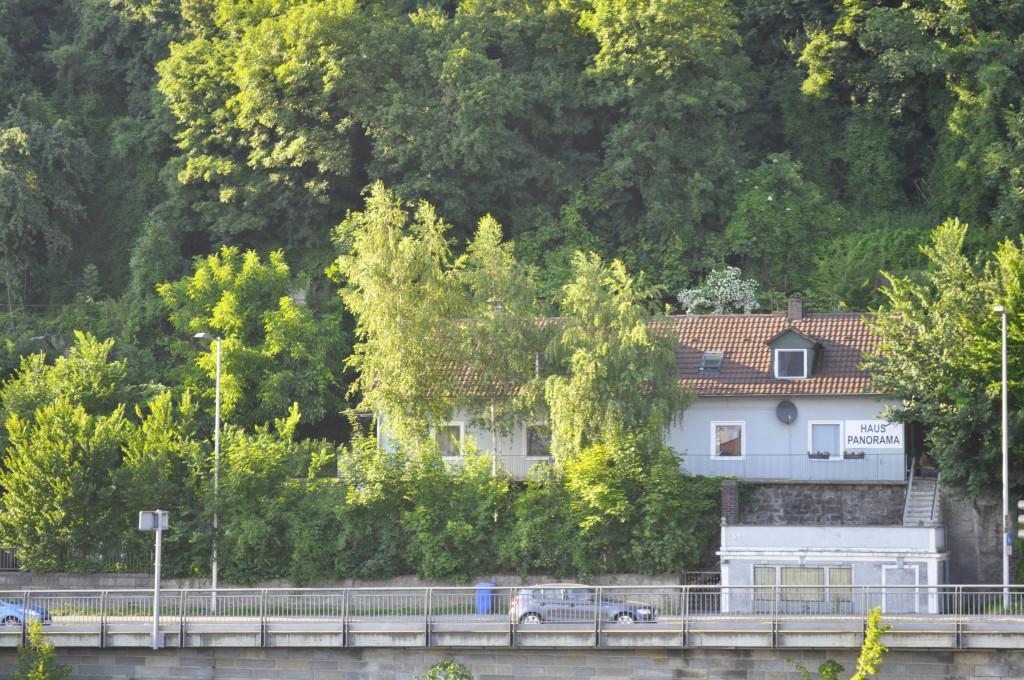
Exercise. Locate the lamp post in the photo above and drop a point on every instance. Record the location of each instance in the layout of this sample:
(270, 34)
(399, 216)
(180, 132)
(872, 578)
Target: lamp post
(216, 467)
(1001, 311)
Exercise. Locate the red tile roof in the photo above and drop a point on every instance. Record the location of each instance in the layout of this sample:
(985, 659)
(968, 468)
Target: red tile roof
(746, 368)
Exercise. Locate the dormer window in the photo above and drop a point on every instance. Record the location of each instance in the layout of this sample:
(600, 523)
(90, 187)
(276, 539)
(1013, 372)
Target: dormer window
(791, 364)
(710, 362)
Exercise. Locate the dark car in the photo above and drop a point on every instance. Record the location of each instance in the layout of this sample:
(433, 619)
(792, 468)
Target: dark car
(15, 612)
(573, 602)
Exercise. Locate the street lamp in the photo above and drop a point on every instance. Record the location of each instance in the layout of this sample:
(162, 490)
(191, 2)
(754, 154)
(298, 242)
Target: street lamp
(1000, 310)
(216, 466)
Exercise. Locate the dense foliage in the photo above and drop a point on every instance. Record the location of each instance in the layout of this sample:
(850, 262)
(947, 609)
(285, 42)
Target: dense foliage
(940, 354)
(779, 136)
(169, 167)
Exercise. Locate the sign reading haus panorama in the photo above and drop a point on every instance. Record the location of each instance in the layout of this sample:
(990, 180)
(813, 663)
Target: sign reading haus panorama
(873, 434)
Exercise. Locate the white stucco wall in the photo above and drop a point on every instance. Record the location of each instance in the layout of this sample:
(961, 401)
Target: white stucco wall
(510, 446)
(775, 450)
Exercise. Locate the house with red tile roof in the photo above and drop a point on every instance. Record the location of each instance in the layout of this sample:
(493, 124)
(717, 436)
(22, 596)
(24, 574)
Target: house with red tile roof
(783, 397)
(778, 397)
(783, 403)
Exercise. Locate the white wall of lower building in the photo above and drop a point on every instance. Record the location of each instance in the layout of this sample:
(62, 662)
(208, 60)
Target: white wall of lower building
(896, 568)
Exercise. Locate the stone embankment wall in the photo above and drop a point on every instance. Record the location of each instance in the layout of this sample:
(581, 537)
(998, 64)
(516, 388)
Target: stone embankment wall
(822, 504)
(973, 535)
(404, 664)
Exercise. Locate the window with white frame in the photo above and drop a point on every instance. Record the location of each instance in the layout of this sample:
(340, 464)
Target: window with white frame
(824, 438)
(764, 583)
(833, 584)
(449, 439)
(727, 440)
(791, 363)
(538, 440)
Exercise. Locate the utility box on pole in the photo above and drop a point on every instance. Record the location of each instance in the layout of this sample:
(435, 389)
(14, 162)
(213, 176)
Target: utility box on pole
(157, 521)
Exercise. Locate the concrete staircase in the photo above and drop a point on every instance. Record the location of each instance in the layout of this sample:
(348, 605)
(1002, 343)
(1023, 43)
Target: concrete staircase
(922, 500)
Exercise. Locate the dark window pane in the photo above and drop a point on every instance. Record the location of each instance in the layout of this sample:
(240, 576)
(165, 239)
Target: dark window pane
(791, 364)
(538, 440)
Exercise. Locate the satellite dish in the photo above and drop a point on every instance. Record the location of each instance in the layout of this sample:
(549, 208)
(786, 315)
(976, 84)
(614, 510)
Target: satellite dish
(786, 411)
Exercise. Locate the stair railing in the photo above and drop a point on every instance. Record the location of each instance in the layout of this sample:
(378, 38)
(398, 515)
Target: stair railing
(910, 490)
(935, 496)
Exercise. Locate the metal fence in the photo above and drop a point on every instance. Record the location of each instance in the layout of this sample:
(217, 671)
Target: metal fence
(113, 562)
(558, 603)
(554, 615)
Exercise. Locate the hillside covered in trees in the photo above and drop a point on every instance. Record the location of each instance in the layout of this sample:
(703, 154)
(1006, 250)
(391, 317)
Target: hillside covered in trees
(169, 167)
(810, 143)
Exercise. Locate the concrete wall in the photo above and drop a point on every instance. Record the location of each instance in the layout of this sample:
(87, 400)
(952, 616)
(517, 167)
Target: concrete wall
(397, 664)
(819, 504)
(775, 450)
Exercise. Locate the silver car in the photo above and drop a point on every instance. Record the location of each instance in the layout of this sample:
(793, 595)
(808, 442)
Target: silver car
(575, 602)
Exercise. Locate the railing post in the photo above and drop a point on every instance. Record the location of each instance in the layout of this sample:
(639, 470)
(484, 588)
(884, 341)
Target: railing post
(428, 596)
(344, 618)
(958, 619)
(599, 595)
(24, 618)
(684, 613)
(103, 619)
(775, 616)
(263, 618)
(511, 619)
(182, 615)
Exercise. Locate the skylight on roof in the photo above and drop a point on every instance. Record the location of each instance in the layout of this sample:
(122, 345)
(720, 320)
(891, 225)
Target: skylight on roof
(711, 361)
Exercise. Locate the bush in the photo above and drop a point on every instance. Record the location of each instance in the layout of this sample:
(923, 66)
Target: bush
(38, 660)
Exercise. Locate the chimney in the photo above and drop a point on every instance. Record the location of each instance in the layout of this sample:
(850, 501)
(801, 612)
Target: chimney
(796, 309)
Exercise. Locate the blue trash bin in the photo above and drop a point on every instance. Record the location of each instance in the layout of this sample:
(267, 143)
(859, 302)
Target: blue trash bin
(484, 597)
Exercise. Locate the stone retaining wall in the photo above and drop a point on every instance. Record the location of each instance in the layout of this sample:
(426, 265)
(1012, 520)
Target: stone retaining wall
(403, 664)
(774, 504)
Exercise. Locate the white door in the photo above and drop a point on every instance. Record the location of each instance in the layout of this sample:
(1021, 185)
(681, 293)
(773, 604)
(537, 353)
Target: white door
(902, 599)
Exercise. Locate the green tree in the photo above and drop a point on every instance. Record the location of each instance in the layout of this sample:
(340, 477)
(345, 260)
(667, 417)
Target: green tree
(61, 506)
(544, 538)
(398, 286)
(38, 659)
(42, 183)
(278, 347)
(777, 213)
(371, 540)
(608, 352)
(256, 498)
(165, 466)
(457, 518)
(939, 354)
(419, 312)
